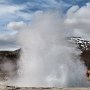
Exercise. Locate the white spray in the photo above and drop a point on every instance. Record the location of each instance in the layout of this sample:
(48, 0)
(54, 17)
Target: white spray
(47, 59)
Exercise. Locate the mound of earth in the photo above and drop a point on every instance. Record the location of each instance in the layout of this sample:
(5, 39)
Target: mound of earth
(8, 63)
(84, 46)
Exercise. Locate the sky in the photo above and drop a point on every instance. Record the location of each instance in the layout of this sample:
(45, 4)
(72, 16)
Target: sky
(20, 12)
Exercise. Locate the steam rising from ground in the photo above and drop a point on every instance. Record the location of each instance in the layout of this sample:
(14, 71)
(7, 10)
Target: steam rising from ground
(47, 58)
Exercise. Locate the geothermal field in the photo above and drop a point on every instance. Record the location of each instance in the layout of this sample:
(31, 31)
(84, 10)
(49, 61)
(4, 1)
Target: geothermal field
(44, 44)
(48, 56)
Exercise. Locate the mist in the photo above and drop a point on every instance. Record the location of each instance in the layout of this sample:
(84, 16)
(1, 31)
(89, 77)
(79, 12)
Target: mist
(47, 58)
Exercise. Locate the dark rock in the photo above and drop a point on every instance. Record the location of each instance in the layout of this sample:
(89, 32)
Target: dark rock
(85, 56)
(9, 63)
(84, 46)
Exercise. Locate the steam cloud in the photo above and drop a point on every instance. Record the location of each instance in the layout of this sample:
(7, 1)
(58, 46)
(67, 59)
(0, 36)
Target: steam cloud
(47, 58)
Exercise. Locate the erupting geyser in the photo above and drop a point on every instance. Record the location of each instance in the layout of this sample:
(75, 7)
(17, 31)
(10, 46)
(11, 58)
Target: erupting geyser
(47, 58)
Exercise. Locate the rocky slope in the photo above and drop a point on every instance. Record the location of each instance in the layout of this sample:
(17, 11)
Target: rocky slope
(84, 46)
(8, 63)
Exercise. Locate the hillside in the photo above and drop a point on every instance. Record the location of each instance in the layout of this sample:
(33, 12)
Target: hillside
(8, 63)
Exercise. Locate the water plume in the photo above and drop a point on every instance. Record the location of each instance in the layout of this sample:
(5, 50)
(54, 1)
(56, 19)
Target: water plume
(47, 58)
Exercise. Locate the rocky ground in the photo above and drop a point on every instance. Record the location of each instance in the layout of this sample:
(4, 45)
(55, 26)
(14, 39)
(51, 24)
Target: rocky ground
(8, 63)
(84, 46)
(2, 87)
